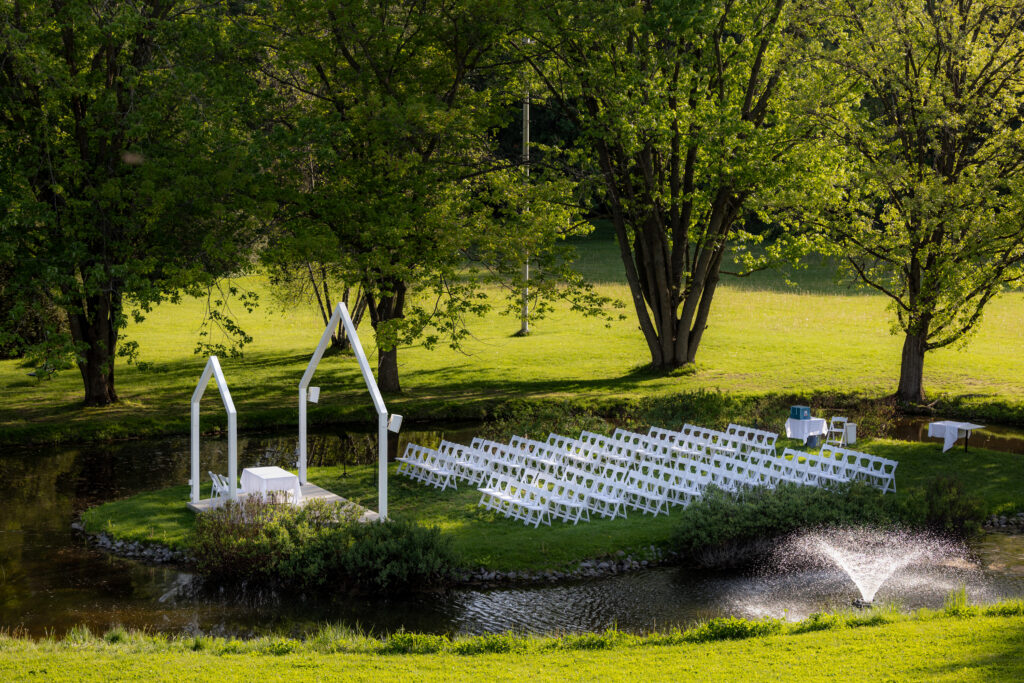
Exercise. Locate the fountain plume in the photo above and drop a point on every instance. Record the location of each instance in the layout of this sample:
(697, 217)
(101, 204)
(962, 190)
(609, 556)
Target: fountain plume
(870, 557)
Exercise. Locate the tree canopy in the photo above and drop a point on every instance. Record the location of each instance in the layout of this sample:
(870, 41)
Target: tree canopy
(120, 166)
(935, 183)
(696, 117)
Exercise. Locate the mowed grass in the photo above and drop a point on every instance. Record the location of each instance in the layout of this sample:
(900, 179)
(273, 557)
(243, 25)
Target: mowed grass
(927, 648)
(763, 337)
(485, 539)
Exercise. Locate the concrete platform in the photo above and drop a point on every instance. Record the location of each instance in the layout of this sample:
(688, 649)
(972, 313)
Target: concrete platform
(309, 492)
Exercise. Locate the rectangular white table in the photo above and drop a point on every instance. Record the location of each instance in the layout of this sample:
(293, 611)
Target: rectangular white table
(262, 480)
(949, 431)
(801, 429)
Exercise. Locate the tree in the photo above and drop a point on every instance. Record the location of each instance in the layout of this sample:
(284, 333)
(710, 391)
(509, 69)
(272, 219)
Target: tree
(383, 139)
(696, 116)
(120, 172)
(936, 197)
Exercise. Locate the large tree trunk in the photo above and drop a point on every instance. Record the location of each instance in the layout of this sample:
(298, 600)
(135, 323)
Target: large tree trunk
(383, 310)
(95, 328)
(911, 387)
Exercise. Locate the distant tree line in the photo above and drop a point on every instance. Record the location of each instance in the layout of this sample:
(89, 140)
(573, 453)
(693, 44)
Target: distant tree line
(361, 151)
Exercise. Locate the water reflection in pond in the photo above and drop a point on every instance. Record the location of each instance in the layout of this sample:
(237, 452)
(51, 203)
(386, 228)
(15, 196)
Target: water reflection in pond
(50, 581)
(996, 438)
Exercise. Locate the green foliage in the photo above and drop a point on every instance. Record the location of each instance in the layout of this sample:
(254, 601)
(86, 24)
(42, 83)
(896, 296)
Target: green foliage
(932, 214)
(118, 634)
(697, 124)
(406, 643)
(732, 628)
(949, 508)
(1007, 608)
(393, 167)
(397, 554)
(725, 529)
(496, 643)
(316, 545)
(957, 604)
(122, 170)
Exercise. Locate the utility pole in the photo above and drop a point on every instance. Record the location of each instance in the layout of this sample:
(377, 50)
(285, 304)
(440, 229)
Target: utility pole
(524, 330)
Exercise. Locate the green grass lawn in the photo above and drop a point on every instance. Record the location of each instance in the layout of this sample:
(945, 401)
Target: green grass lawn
(483, 538)
(926, 647)
(763, 337)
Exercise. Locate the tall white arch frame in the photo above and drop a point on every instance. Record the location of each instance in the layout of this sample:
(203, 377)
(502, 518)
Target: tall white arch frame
(212, 369)
(341, 315)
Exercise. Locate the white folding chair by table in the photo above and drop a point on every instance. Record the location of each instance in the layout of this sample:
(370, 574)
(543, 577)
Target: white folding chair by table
(220, 485)
(836, 431)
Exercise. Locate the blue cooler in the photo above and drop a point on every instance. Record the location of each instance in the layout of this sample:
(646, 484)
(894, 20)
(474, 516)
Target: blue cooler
(799, 413)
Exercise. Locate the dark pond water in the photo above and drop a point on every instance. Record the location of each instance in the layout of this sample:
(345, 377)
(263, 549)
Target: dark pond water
(50, 580)
(996, 438)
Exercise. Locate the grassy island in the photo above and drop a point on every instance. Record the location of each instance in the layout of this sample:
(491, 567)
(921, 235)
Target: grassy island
(483, 539)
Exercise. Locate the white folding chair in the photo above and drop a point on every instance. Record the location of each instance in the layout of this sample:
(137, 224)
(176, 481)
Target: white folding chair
(836, 431)
(220, 486)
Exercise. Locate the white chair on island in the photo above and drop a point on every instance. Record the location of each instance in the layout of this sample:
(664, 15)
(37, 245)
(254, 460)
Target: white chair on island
(220, 485)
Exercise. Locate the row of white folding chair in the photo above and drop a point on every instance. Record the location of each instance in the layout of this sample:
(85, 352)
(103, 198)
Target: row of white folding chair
(568, 445)
(518, 498)
(816, 470)
(518, 455)
(605, 495)
(527, 460)
(583, 454)
(752, 435)
(501, 458)
(428, 466)
(538, 454)
(620, 453)
(876, 470)
(469, 464)
(567, 500)
(648, 448)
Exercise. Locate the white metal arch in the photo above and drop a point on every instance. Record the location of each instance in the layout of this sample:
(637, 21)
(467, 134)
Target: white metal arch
(212, 369)
(341, 315)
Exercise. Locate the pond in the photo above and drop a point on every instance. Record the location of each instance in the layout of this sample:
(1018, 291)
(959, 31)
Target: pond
(50, 580)
(996, 437)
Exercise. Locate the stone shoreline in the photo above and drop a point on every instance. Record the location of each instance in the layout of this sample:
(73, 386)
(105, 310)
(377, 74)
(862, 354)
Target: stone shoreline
(1005, 523)
(620, 563)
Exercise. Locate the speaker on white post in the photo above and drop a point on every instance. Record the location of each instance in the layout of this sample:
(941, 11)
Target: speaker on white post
(313, 394)
(394, 423)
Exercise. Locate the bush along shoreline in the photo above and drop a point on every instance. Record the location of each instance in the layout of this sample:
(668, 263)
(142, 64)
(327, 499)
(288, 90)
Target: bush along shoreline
(289, 548)
(872, 413)
(620, 562)
(737, 531)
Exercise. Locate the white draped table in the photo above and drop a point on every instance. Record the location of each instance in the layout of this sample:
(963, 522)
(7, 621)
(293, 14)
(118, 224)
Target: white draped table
(801, 429)
(949, 431)
(262, 480)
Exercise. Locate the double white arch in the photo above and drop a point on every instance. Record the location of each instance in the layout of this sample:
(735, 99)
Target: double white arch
(341, 315)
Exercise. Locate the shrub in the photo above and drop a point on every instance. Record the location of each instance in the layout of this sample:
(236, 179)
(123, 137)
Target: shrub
(490, 643)
(1008, 608)
(606, 640)
(957, 604)
(405, 643)
(397, 554)
(948, 508)
(725, 530)
(117, 634)
(316, 545)
(733, 628)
